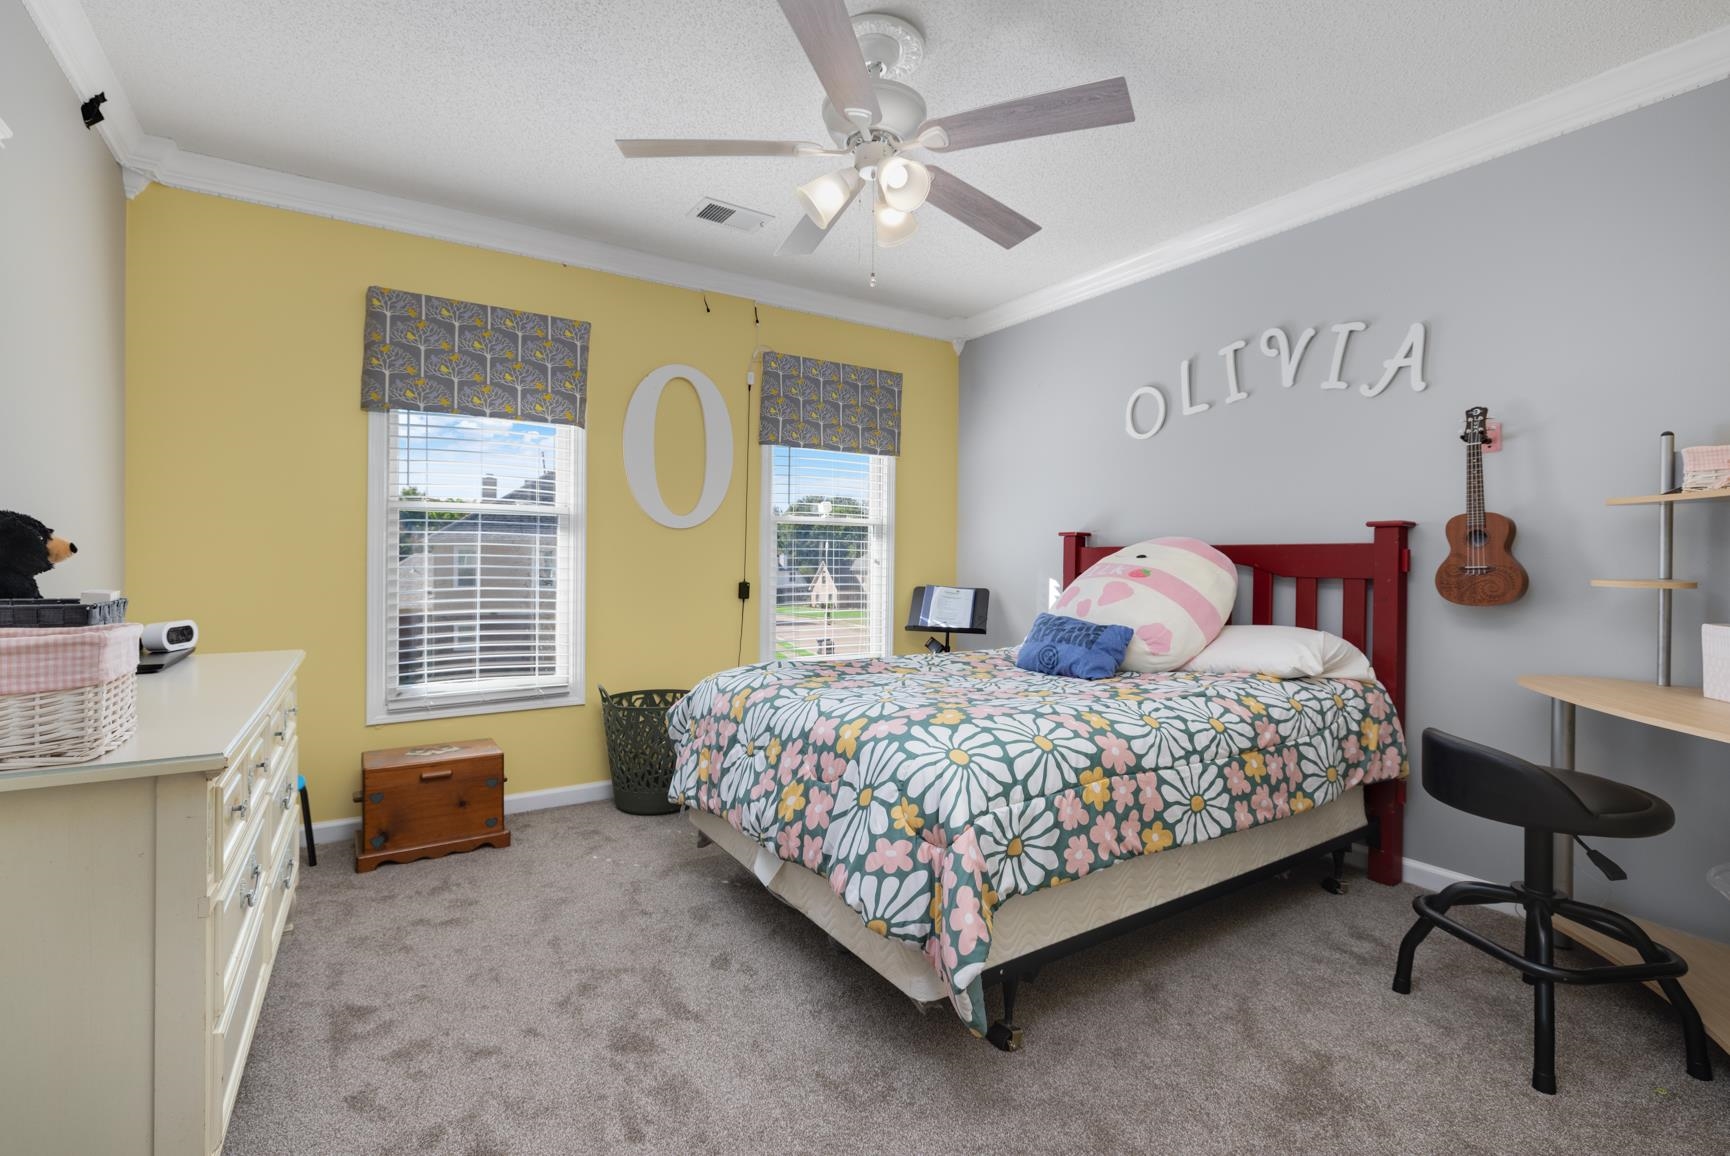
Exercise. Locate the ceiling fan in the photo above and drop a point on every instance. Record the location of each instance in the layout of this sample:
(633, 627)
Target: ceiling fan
(874, 119)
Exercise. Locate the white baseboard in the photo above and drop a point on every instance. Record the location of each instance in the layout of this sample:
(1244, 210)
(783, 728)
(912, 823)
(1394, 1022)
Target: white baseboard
(1429, 877)
(337, 830)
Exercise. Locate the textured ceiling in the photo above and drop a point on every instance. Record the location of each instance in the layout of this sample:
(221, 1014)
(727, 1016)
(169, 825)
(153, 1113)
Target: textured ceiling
(510, 107)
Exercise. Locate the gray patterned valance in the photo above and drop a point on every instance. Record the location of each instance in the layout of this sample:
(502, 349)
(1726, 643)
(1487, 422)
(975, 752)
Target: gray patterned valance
(829, 405)
(444, 356)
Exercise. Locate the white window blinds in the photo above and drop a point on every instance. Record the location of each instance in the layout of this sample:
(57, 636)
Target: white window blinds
(479, 595)
(829, 513)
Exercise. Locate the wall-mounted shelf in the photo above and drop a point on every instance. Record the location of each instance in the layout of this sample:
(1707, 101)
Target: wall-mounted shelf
(1665, 499)
(1678, 496)
(1645, 584)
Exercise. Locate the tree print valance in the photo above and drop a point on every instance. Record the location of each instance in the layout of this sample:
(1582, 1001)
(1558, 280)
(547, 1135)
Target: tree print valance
(444, 356)
(828, 405)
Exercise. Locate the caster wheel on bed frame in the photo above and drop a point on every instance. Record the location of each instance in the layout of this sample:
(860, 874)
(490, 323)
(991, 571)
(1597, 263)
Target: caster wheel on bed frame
(1004, 1037)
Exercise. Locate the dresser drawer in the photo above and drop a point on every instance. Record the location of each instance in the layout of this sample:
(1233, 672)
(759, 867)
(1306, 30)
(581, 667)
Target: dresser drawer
(284, 718)
(237, 1017)
(236, 913)
(238, 793)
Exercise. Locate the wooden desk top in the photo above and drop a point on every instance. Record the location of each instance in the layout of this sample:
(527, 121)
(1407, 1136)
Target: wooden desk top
(1674, 708)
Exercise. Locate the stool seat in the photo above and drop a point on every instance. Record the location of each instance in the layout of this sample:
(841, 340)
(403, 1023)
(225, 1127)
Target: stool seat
(1495, 785)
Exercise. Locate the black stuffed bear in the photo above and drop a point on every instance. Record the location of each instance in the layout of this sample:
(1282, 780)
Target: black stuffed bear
(27, 548)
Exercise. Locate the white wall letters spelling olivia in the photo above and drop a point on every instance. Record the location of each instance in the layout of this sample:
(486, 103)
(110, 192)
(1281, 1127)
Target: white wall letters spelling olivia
(1145, 413)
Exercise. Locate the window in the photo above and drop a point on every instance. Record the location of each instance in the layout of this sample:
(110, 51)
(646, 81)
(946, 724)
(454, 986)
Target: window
(476, 541)
(827, 546)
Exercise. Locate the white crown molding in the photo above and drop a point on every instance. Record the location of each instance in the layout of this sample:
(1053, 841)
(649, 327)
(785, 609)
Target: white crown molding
(144, 159)
(1665, 73)
(147, 158)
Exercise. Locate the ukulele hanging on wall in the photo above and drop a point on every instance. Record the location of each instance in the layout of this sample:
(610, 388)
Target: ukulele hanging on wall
(1480, 569)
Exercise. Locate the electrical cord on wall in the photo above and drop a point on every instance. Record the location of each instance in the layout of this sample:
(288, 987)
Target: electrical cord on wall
(745, 521)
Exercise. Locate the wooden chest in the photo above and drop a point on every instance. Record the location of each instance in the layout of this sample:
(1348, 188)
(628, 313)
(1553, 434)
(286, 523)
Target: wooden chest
(426, 801)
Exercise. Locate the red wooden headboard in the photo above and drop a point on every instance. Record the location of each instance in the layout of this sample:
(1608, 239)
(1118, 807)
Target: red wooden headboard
(1372, 578)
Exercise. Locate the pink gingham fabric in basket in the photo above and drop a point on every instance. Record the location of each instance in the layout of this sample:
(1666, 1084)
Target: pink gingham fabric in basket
(40, 660)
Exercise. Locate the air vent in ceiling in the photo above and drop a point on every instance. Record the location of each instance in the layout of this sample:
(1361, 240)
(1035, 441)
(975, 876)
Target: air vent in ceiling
(733, 216)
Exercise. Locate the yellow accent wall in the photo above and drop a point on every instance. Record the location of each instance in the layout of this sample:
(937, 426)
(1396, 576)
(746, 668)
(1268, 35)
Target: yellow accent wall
(246, 464)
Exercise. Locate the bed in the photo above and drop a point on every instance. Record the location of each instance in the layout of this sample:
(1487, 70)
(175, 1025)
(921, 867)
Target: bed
(957, 823)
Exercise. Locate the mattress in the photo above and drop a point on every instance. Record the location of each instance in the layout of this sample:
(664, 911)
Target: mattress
(1027, 923)
(930, 791)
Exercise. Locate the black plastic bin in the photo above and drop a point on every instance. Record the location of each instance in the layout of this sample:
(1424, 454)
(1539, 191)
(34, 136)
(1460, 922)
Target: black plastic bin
(639, 750)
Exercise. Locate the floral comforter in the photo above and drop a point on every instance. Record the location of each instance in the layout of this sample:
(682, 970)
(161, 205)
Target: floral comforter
(928, 789)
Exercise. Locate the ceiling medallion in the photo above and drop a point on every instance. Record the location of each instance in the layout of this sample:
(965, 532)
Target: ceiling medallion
(889, 43)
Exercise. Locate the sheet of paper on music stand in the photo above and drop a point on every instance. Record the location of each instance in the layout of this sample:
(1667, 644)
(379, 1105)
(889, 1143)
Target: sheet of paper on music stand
(951, 608)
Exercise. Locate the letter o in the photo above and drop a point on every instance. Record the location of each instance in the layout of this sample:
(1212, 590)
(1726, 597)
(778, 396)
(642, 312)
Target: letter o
(1129, 413)
(640, 446)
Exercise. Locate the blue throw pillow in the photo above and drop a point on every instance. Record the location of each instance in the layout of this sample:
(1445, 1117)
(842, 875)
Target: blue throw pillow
(1072, 647)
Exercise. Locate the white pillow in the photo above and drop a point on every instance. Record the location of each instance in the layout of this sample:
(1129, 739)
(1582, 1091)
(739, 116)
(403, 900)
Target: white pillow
(1286, 651)
(1174, 593)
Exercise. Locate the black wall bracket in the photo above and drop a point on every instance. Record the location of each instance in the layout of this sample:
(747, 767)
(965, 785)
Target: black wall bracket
(92, 109)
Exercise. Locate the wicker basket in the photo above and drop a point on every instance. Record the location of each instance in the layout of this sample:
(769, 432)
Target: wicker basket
(638, 749)
(67, 695)
(67, 726)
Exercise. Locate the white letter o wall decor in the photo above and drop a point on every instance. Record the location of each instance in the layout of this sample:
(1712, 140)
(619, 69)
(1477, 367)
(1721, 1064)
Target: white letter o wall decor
(640, 446)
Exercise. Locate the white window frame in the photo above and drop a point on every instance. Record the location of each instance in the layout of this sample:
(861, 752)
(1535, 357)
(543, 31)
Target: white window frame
(378, 712)
(767, 557)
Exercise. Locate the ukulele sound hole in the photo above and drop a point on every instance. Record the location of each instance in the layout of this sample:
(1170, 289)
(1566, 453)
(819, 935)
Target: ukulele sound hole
(1476, 537)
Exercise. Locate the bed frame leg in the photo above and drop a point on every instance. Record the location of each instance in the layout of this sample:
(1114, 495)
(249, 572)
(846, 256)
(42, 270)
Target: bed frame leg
(1003, 1034)
(1335, 884)
(1386, 804)
(703, 840)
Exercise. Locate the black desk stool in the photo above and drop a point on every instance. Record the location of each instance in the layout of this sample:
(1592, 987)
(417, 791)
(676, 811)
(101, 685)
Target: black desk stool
(1546, 802)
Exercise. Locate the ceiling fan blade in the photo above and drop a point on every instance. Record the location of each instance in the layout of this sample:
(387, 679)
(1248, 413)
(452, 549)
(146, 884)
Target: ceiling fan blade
(825, 32)
(808, 234)
(1068, 109)
(979, 212)
(724, 148)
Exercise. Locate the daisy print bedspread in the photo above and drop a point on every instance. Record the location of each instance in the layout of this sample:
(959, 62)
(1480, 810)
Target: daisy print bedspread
(928, 789)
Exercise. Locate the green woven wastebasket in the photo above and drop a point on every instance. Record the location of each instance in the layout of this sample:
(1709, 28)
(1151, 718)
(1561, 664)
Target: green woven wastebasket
(639, 750)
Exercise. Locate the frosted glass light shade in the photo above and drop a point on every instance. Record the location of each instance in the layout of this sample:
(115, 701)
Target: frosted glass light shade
(893, 226)
(828, 194)
(904, 183)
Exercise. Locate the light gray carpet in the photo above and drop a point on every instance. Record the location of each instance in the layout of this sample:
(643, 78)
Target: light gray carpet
(603, 985)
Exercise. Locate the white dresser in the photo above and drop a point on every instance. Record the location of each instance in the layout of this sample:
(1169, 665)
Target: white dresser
(142, 898)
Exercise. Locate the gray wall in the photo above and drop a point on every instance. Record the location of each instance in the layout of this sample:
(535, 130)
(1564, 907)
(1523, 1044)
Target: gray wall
(62, 264)
(1581, 290)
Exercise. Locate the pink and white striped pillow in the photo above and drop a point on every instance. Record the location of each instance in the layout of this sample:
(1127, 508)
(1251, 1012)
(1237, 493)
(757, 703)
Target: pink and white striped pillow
(1175, 593)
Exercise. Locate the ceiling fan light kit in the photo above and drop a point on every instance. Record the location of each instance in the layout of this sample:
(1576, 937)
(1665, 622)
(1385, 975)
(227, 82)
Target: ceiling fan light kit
(893, 226)
(873, 118)
(824, 198)
(904, 183)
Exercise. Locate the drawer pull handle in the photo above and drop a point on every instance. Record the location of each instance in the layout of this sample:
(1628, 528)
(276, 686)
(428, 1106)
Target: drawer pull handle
(431, 776)
(293, 711)
(287, 797)
(250, 899)
(281, 732)
(239, 809)
(256, 869)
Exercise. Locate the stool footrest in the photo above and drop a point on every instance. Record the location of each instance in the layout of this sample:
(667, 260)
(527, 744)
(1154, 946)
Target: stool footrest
(1669, 967)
